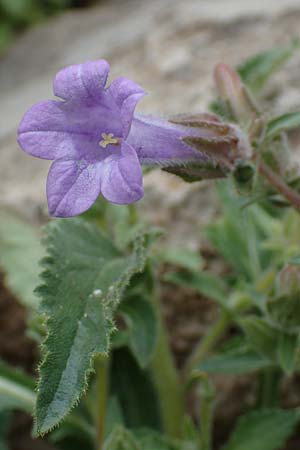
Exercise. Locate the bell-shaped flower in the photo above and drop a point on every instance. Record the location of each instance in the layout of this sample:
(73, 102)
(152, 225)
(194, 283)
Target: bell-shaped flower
(98, 145)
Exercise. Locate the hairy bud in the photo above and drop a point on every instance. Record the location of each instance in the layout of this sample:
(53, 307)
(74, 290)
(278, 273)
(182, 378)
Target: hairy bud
(234, 94)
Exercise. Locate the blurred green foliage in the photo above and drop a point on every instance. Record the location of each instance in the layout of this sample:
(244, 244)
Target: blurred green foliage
(17, 15)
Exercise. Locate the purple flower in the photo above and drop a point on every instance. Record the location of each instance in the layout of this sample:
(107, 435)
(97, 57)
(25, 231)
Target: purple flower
(97, 143)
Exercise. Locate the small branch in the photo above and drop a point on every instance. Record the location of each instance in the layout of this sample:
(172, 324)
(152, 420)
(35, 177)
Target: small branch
(280, 186)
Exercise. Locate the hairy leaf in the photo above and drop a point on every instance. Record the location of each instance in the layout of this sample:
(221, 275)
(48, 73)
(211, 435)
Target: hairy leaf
(263, 430)
(20, 252)
(84, 277)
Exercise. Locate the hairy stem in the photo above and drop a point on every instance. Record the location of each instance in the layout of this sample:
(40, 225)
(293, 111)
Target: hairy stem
(166, 379)
(102, 385)
(207, 343)
(277, 182)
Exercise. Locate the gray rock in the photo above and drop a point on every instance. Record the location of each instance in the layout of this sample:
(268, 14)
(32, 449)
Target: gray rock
(170, 47)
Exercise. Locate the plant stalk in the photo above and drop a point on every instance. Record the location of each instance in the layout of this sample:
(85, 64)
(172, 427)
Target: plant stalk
(166, 379)
(277, 182)
(102, 387)
(207, 343)
(207, 396)
(268, 389)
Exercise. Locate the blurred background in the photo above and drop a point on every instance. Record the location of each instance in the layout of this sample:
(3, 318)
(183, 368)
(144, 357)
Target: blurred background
(169, 47)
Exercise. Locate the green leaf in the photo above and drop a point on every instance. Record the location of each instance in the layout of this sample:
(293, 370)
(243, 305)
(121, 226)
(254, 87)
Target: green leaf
(263, 430)
(237, 236)
(20, 252)
(142, 439)
(282, 123)
(284, 311)
(133, 387)
(234, 364)
(182, 257)
(121, 439)
(204, 283)
(140, 318)
(287, 350)
(152, 440)
(256, 70)
(261, 336)
(16, 389)
(84, 278)
(5, 420)
(114, 415)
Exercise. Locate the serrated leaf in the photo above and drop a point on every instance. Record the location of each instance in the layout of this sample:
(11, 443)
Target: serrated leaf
(262, 430)
(256, 70)
(140, 318)
(261, 336)
(16, 389)
(84, 276)
(234, 364)
(204, 283)
(20, 252)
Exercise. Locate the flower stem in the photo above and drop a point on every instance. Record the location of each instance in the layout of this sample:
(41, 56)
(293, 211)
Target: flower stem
(207, 343)
(277, 182)
(268, 389)
(207, 396)
(102, 384)
(166, 379)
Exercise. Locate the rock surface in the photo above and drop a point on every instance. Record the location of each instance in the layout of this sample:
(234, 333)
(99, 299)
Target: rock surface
(170, 47)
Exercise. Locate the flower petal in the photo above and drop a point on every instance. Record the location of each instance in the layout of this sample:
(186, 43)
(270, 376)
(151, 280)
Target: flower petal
(160, 142)
(121, 177)
(55, 129)
(82, 82)
(72, 187)
(46, 133)
(126, 94)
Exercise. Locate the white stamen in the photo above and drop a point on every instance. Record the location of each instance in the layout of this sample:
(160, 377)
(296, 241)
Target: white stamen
(108, 139)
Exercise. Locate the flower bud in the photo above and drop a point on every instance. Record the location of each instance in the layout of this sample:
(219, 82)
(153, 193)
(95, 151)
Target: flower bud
(234, 94)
